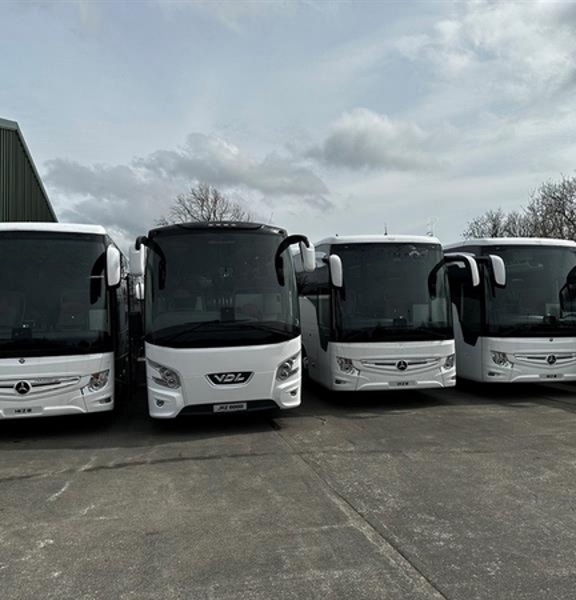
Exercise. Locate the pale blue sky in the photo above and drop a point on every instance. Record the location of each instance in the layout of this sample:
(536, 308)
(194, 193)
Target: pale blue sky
(326, 116)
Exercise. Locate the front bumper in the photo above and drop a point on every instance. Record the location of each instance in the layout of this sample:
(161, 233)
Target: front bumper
(392, 366)
(194, 367)
(167, 404)
(57, 386)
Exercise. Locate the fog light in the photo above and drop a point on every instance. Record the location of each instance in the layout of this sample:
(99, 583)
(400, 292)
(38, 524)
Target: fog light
(449, 362)
(288, 368)
(501, 359)
(159, 403)
(164, 376)
(98, 380)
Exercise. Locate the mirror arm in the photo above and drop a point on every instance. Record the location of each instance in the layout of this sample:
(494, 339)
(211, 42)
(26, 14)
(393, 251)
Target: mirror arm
(284, 245)
(472, 262)
(152, 245)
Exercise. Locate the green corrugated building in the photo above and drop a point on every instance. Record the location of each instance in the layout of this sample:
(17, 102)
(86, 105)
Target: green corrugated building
(22, 194)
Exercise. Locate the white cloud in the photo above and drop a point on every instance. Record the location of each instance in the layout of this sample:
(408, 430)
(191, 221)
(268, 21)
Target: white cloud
(509, 51)
(362, 139)
(130, 198)
(212, 159)
(122, 198)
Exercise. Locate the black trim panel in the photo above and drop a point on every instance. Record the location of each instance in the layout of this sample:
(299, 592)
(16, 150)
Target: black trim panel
(208, 409)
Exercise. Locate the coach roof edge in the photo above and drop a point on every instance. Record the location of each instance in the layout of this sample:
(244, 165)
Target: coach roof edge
(379, 239)
(52, 227)
(510, 241)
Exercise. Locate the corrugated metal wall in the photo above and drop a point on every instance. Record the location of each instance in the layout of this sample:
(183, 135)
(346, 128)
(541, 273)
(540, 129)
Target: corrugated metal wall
(22, 197)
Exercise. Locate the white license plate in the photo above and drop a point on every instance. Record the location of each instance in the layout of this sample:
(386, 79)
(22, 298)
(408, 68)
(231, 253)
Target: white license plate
(402, 384)
(551, 376)
(23, 411)
(230, 407)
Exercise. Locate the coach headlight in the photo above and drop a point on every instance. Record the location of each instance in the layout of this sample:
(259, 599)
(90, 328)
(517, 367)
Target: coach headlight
(164, 376)
(288, 368)
(346, 366)
(98, 380)
(501, 359)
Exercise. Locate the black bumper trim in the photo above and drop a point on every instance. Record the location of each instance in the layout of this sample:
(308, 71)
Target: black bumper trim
(208, 409)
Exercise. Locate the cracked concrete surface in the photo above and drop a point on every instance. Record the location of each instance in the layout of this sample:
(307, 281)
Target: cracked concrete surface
(456, 494)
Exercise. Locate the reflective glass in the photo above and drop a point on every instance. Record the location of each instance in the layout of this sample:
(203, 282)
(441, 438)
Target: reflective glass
(207, 288)
(53, 296)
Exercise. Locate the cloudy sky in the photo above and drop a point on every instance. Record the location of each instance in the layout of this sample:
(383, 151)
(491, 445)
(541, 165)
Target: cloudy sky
(321, 116)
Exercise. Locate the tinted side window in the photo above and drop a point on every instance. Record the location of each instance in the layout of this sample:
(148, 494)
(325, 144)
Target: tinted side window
(318, 282)
(468, 302)
(316, 287)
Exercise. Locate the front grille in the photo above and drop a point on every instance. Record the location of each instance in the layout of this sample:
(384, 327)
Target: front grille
(391, 365)
(549, 359)
(38, 385)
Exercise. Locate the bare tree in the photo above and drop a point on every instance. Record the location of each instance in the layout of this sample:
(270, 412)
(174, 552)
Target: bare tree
(497, 223)
(204, 203)
(552, 209)
(551, 213)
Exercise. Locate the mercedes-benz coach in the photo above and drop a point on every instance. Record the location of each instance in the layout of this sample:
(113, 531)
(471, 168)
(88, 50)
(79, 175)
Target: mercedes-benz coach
(525, 330)
(376, 313)
(63, 319)
(222, 325)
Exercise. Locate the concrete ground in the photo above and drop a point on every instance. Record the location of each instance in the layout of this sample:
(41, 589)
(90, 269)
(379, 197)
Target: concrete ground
(464, 494)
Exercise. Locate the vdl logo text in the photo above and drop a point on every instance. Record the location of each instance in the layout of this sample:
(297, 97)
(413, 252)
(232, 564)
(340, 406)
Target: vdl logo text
(230, 378)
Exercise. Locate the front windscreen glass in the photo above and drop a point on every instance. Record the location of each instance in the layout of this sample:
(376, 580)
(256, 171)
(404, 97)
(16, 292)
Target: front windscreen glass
(53, 297)
(540, 293)
(210, 288)
(393, 291)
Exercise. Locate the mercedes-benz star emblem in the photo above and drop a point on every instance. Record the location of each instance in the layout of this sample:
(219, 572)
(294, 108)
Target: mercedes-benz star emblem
(401, 365)
(22, 388)
(551, 360)
(21, 360)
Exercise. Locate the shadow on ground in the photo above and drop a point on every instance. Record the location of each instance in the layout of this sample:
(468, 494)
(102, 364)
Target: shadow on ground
(130, 426)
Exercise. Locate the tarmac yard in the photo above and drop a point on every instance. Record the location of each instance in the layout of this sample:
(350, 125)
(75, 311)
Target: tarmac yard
(459, 494)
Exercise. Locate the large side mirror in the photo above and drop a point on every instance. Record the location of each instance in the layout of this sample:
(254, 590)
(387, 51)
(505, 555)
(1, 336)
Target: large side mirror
(141, 240)
(137, 262)
(498, 270)
(113, 266)
(465, 261)
(308, 257)
(139, 290)
(336, 272)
